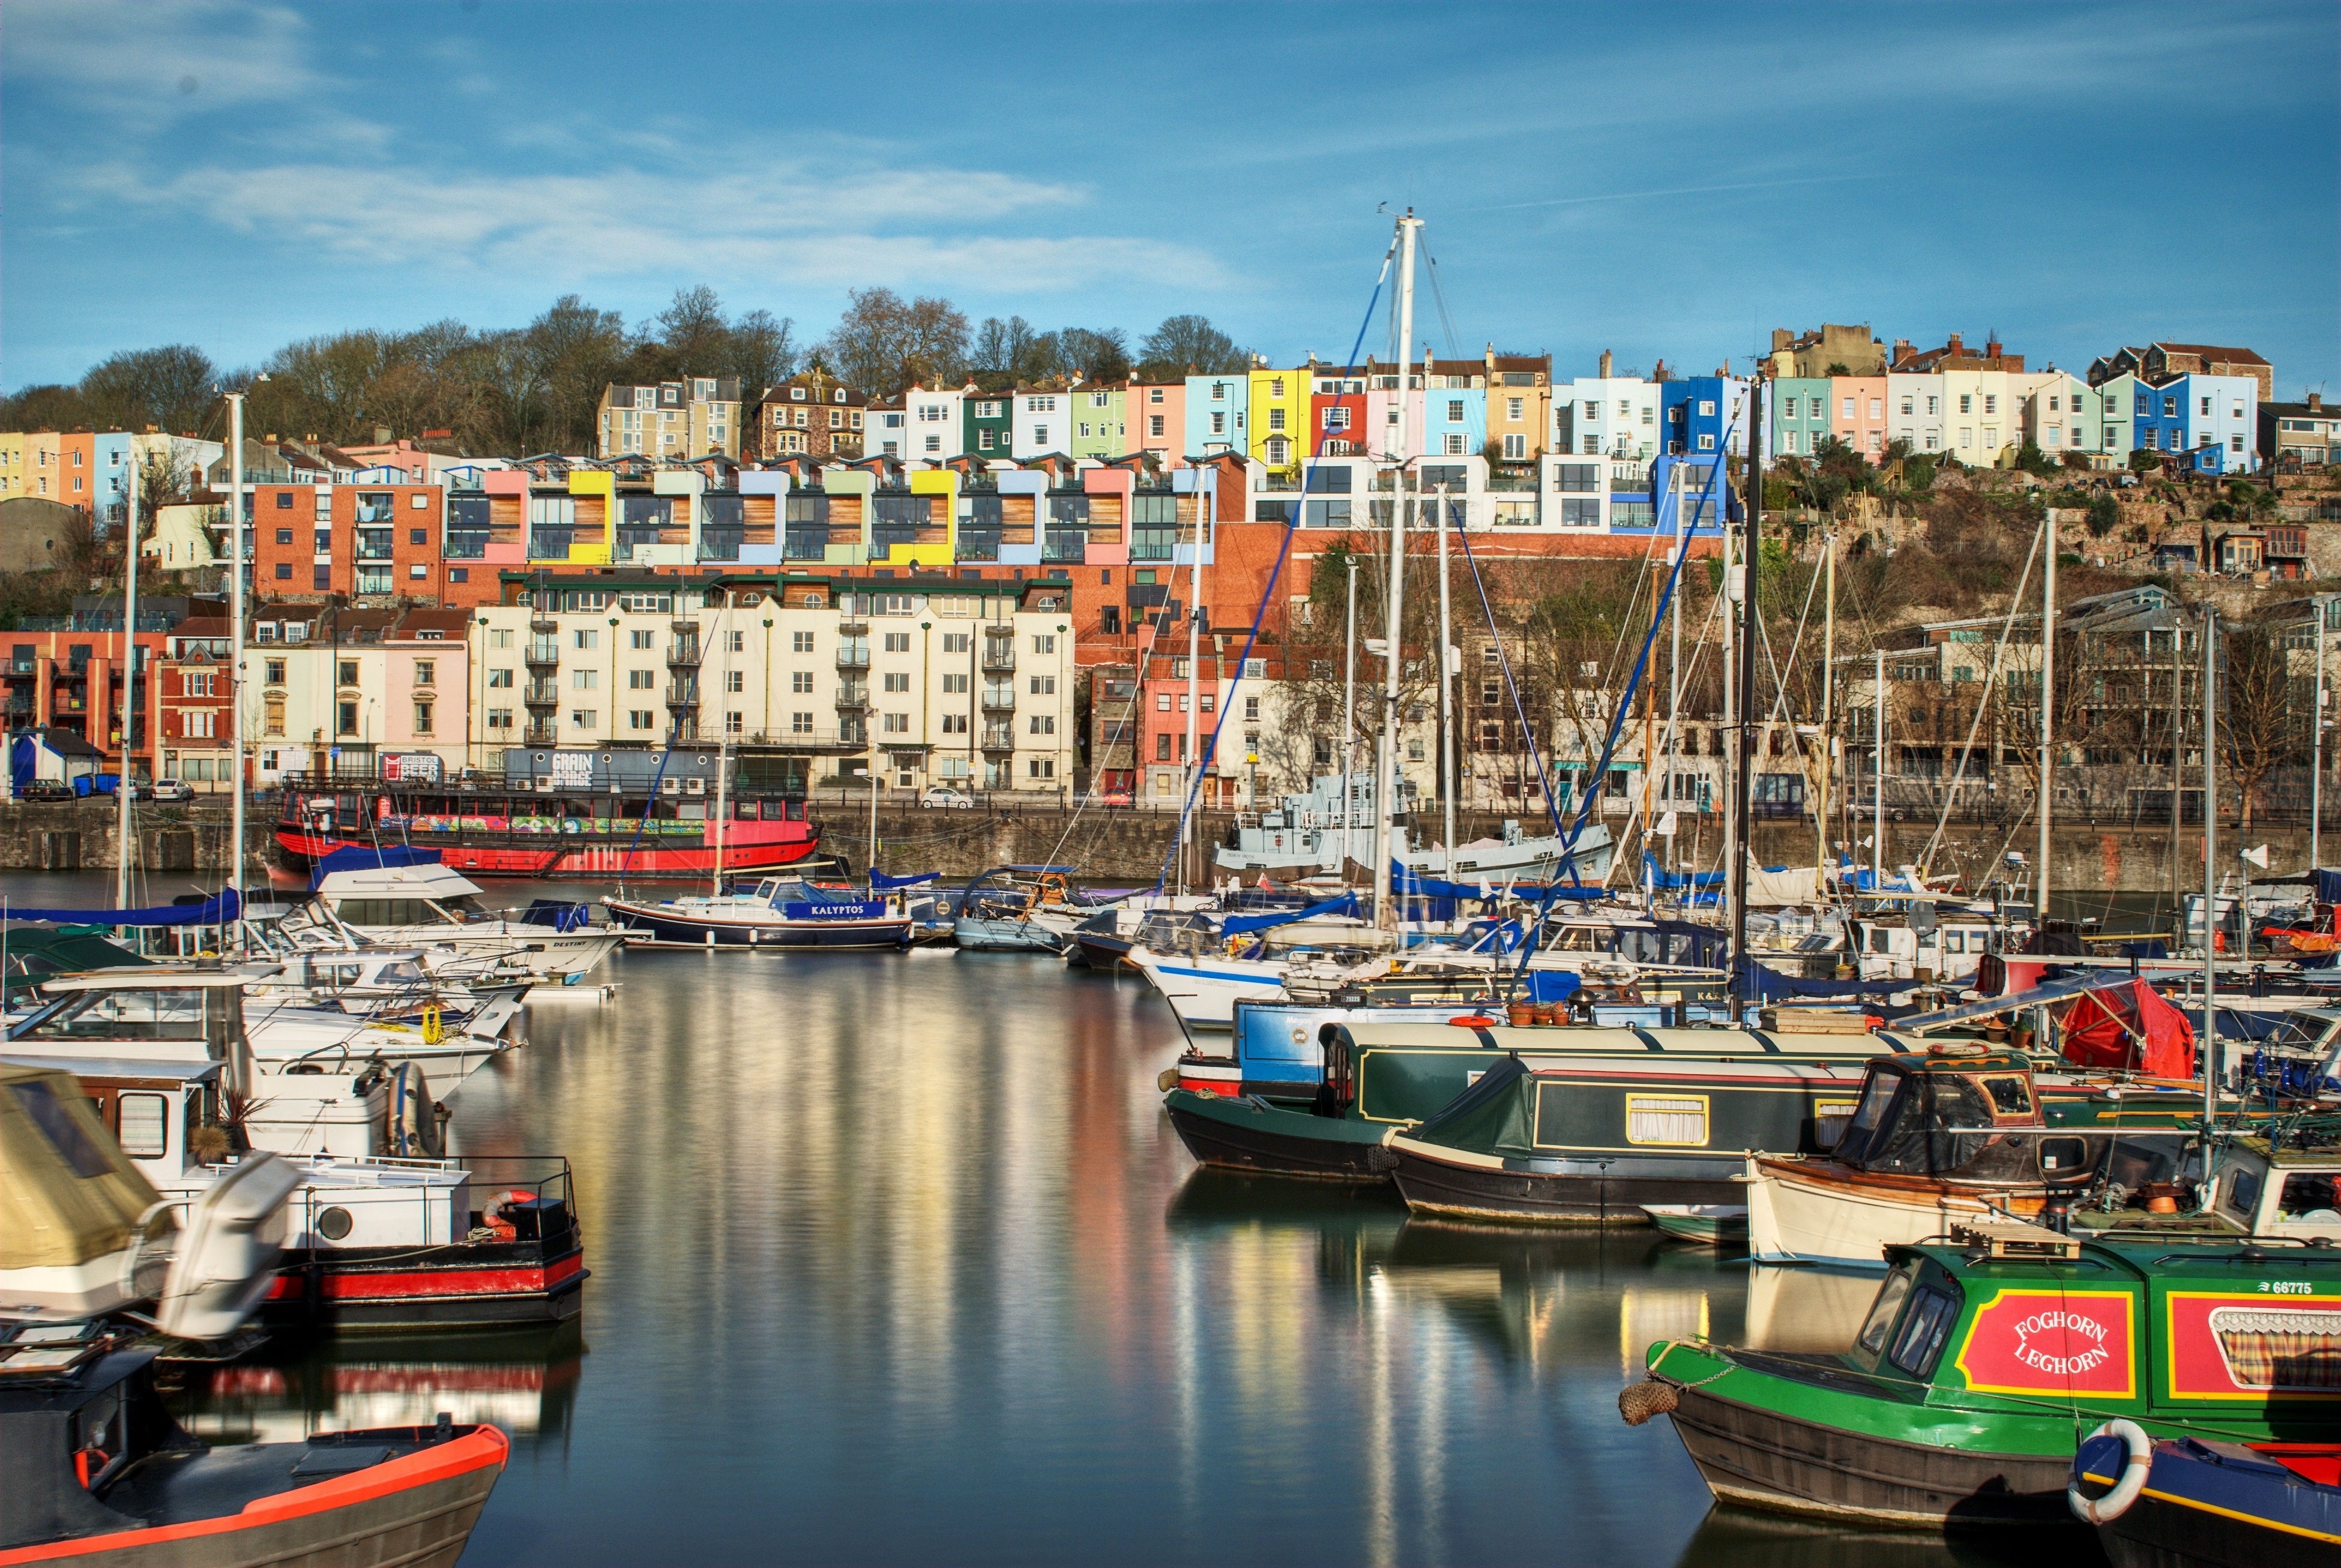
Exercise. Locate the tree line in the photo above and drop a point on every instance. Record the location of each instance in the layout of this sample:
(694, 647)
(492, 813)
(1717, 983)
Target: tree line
(515, 390)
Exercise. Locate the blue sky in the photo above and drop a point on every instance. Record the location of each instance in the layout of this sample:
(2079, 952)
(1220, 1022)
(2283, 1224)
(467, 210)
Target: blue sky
(1663, 182)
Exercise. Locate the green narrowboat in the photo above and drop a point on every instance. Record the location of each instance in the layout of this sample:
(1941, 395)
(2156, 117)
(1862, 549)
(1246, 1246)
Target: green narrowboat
(1984, 1360)
(1388, 1074)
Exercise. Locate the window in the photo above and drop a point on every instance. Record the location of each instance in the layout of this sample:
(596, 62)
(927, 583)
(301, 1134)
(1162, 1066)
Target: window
(284, 572)
(1044, 685)
(423, 718)
(896, 724)
(1514, 408)
(801, 641)
(425, 672)
(1920, 1343)
(1043, 723)
(587, 637)
(1677, 1119)
(800, 723)
(1337, 418)
(1044, 644)
(346, 719)
(348, 673)
(892, 680)
(1848, 408)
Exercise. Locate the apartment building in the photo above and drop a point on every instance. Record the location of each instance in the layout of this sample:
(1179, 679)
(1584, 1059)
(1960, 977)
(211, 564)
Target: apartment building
(1607, 415)
(1832, 351)
(2305, 432)
(2064, 415)
(676, 419)
(2159, 362)
(935, 680)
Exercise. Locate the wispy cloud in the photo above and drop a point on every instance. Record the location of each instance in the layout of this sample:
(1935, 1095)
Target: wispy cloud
(148, 64)
(799, 224)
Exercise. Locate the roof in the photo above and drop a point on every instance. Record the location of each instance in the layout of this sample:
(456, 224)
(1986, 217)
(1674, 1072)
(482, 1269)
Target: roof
(2212, 351)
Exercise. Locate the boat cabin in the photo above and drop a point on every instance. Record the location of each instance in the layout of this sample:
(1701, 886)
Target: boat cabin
(425, 894)
(2274, 1190)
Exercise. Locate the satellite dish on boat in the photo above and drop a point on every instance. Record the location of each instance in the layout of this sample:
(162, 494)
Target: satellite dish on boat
(226, 1256)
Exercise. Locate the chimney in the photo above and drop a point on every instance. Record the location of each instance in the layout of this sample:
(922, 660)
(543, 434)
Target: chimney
(1605, 360)
(1901, 351)
(1781, 339)
(1954, 344)
(2315, 402)
(1991, 348)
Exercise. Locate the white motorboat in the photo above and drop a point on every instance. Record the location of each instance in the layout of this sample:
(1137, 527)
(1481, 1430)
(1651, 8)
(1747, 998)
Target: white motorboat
(1319, 832)
(429, 906)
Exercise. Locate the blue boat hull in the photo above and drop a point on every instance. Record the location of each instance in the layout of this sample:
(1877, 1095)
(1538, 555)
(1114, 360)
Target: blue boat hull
(2216, 1504)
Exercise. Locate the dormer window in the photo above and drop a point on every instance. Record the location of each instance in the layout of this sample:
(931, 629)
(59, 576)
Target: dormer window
(841, 394)
(796, 394)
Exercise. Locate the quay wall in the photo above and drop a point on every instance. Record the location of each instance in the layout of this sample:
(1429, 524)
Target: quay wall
(1119, 846)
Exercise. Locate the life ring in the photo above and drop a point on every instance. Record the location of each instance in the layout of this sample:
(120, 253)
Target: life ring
(2115, 1503)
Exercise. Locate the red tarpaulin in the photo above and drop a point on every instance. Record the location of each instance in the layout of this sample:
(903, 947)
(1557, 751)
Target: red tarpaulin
(2131, 1027)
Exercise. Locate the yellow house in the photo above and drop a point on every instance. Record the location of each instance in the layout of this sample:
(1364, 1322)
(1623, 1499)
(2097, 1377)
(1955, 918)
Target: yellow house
(1279, 412)
(940, 536)
(44, 466)
(1983, 416)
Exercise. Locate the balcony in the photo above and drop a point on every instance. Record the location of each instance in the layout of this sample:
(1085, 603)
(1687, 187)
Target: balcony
(683, 694)
(541, 694)
(544, 626)
(544, 734)
(998, 738)
(852, 624)
(1000, 699)
(853, 656)
(683, 654)
(999, 658)
(852, 699)
(543, 650)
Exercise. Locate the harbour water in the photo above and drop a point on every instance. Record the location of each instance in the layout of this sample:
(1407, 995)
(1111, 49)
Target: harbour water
(896, 1259)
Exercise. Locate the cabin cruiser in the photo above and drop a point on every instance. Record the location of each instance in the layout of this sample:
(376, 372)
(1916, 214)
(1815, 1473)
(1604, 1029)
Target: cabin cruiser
(1320, 831)
(387, 1230)
(426, 905)
(1202, 962)
(390, 983)
(781, 912)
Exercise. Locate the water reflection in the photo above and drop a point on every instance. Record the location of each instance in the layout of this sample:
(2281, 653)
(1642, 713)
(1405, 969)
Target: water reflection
(525, 1381)
(895, 1259)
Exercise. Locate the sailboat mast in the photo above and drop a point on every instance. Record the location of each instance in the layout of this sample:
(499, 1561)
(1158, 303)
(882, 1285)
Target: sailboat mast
(2048, 721)
(1393, 657)
(724, 779)
(1752, 550)
(1650, 753)
(2210, 1039)
(1348, 719)
(1828, 707)
(1877, 777)
(1446, 687)
(129, 711)
(1194, 651)
(235, 647)
(1674, 669)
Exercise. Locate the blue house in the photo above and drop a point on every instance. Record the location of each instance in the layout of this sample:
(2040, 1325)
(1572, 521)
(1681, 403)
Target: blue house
(1698, 412)
(1687, 492)
(2161, 416)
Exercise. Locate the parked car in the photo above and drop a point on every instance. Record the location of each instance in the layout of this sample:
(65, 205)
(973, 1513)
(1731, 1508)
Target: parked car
(45, 790)
(1113, 797)
(947, 799)
(170, 789)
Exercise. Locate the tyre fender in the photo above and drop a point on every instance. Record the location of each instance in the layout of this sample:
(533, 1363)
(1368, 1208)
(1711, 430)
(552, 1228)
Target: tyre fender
(2103, 1510)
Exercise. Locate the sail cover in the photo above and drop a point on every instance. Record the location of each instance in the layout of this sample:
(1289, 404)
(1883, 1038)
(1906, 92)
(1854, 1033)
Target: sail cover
(1236, 925)
(2131, 1027)
(218, 909)
(369, 857)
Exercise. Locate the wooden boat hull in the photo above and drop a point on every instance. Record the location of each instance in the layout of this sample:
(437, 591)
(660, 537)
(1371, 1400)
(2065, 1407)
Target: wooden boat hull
(416, 1511)
(1464, 1185)
(1249, 1134)
(1804, 1212)
(1684, 1223)
(1763, 1458)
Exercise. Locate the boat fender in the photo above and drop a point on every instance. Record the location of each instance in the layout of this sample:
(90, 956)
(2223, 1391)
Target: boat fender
(1652, 1397)
(1380, 1160)
(2115, 1503)
(1472, 1021)
(1167, 1080)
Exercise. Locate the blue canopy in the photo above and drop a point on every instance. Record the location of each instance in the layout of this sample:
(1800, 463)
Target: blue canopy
(1407, 883)
(216, 910)
(369, 857)
(879, 879)
(2328, 885)
(1772, 986)
(1236, 925)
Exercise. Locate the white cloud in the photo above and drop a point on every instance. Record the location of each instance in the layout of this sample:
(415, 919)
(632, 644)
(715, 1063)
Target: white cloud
(152, 63)
(817, 225)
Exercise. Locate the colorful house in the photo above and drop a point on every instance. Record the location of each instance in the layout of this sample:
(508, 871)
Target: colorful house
(1455, 408)
(1215, 410)
(1281, 435)
(986, 420)
(1098, 419)
(1157, 413)
(1798, 416)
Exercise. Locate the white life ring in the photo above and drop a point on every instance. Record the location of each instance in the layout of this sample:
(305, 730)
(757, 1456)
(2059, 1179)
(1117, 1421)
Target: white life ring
(2115, 1503)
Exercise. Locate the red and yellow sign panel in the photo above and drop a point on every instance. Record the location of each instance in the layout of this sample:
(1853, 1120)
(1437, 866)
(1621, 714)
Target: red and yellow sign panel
(2058, 1342)
(2228, 1346)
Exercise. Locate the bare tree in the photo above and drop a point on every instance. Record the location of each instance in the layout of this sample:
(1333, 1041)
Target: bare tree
(169, 388)
(573, 347)
(762, 353)
(692, 331)
(2257, 734)
(1190, 345)
(884, 342)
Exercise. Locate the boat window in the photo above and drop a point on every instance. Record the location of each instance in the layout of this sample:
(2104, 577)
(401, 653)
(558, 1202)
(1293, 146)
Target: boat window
(62, 1127)
(1955, 941)
(1882, 1311)
(1829, 1117)
(1920, 1342)
(159, 1014)
(2009, 1095)
(2244, 1190)
(2299, 1032)
(402, 972)
(2307, 1194)
(767, 887)
(1877, 942)
(388, 912)
(146, 1125)
(464, 906)
(1876, 1096)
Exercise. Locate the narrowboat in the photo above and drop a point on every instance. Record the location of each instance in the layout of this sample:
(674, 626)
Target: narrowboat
(1963, 1397)
(98, 1472)
(2155, 1502)
(1381, 1072)
(783, 913)
(579, 816)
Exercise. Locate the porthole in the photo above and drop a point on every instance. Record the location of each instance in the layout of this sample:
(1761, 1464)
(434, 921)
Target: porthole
(335, 1223)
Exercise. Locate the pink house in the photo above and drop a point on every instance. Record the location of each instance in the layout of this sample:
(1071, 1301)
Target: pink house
(1858, 414)
(1157, 414)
